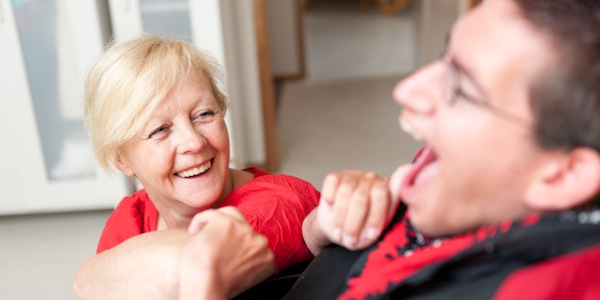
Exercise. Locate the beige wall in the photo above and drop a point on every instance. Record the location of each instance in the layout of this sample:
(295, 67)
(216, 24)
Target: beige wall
(434, 22)
(284, 37)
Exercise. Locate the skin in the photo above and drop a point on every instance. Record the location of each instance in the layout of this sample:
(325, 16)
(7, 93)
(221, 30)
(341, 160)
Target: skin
(218, 259)
(485, 163)
(353, 210)
(187, 131)
(215, 275)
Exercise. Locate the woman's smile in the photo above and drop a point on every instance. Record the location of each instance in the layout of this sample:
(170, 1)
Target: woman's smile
(194, 171)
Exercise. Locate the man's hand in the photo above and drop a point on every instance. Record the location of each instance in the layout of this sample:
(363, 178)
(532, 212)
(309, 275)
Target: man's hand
(354, 209)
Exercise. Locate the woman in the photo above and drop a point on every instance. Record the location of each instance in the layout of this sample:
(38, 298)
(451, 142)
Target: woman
(155, 110)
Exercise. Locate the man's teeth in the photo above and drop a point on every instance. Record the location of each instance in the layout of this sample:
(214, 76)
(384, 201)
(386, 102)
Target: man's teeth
(406, 127)
(195, 171)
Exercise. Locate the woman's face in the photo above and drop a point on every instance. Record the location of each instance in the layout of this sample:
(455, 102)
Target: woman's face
(181, 157)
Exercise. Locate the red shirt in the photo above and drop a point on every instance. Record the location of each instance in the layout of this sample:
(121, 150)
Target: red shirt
(274, 205)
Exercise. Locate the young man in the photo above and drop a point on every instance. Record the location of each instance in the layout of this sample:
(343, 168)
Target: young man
(503, 201)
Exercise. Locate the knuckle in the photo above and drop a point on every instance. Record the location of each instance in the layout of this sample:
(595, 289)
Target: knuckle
(359, 199)
(371, 175)
(345, 190)
(379, 193)
(332, 177)
(263, 240)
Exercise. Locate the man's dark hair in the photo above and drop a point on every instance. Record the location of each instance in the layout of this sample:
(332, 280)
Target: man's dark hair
(566, 99)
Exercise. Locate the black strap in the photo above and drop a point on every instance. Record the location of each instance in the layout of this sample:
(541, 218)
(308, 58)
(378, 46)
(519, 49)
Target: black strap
(327, 275)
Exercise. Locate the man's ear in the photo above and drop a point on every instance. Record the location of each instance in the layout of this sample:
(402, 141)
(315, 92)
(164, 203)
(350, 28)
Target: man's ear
(122, 166)
(565, 181)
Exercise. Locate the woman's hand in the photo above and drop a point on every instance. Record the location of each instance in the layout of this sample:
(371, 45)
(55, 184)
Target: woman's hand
(224, 257)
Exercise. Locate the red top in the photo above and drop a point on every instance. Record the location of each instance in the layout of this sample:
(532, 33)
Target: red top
(274, 205)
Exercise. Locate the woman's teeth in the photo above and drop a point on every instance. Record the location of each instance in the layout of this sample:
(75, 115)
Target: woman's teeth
(195, 171)
(406, 127)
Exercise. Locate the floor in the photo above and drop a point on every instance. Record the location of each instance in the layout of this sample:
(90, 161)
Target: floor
(340, 117)
(40, 254)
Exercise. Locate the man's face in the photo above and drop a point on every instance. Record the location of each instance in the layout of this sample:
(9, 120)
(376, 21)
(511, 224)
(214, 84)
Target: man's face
(482, 157)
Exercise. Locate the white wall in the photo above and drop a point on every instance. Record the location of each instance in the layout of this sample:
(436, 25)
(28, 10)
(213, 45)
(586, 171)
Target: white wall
(434, 21)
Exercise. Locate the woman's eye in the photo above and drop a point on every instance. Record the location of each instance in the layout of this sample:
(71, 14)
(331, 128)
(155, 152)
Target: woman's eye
(205, 115)
(158, 131)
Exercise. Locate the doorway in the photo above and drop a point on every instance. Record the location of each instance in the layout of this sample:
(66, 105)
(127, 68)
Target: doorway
(341, 114)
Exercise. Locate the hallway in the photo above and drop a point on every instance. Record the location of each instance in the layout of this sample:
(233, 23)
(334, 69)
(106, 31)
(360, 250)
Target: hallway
(342, 116)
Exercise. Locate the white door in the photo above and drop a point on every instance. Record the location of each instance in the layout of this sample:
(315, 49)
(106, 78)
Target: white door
(46, 160)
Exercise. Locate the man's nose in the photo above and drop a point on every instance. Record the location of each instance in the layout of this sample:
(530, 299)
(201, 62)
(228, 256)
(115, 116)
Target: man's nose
(421, 91)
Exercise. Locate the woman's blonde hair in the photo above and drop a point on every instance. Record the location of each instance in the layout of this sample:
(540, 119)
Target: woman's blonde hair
(128, 81)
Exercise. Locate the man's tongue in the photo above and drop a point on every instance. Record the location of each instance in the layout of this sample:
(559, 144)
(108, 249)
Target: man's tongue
(408, 177)
(425, 168)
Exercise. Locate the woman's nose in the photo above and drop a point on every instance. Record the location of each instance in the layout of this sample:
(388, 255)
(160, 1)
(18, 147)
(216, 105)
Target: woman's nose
(189, 139)
(421, 91)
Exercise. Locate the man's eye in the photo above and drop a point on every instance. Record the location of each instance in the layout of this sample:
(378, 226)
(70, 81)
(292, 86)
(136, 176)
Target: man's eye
(459, 93)
(158, 131)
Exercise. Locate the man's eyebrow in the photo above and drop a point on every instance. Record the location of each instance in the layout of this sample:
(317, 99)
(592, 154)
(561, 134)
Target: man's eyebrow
(466, 73)
(459, 65)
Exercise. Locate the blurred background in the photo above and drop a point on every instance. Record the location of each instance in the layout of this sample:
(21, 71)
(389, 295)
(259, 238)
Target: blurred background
(310, 85)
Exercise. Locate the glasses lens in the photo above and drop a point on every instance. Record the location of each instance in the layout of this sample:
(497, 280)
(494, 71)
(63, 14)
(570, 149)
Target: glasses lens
(448, 82)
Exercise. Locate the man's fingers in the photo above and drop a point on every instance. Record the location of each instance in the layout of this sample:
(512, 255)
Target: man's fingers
(358, 210)
(343, 195)
(378, 211)
(330, 185)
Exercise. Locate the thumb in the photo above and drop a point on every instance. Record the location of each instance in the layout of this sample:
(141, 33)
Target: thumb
(395, 183)
(200, 220)
(233, 212)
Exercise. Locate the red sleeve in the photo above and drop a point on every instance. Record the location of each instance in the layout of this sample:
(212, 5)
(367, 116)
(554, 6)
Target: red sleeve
(572, 276)
(134, 215)
(276, 205)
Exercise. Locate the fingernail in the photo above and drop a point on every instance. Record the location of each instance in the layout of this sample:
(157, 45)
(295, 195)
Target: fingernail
(349, 240)
(372, 233)
(337, 234)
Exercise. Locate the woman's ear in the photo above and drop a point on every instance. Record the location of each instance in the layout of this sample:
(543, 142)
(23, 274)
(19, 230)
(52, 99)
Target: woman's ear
(566, 180)
(122, 166)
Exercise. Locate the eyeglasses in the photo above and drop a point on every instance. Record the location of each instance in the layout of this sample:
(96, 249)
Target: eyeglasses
(452, 92)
